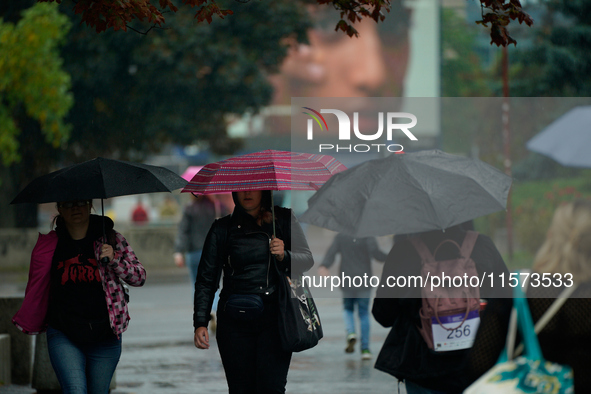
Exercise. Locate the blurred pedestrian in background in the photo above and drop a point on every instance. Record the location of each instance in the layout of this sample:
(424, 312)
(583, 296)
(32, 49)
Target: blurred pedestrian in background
(85, 311)
(197, 218)
(243, 247)
(168, 209)
(356, 255)
(566, 338)
(139, 215)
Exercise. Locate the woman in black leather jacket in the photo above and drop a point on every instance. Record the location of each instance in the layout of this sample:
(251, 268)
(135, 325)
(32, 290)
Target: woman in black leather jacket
(241, 245)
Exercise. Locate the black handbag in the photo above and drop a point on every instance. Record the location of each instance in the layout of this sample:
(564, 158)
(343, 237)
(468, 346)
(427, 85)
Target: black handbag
(245, 307)
(299, 322)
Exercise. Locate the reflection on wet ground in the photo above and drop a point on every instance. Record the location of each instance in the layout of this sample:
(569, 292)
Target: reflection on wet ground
(159, 355)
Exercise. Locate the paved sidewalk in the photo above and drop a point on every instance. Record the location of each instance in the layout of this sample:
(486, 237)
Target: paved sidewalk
(159, 355)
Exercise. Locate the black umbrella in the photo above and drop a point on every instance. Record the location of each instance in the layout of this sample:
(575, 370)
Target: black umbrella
(99, 178)
(408, 193)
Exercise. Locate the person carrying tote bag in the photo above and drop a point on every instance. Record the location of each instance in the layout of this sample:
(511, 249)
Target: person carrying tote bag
(529, 373)
(565, 255)
(299, 322)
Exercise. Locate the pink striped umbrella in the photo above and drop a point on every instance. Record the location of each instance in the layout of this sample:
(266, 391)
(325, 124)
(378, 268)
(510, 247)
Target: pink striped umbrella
(190, 172)
(266, 170)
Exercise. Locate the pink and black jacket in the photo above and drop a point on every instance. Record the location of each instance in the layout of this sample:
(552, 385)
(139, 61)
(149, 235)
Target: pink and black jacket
(125, 267)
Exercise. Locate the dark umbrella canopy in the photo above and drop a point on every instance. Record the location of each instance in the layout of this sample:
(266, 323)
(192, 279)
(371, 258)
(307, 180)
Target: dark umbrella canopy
(567, 139)
(408, 193)
(99, 178)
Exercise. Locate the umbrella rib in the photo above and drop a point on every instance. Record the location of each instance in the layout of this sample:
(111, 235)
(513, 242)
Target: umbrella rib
(422, 189)
(467, 177)
(273, 170)
(104, 186)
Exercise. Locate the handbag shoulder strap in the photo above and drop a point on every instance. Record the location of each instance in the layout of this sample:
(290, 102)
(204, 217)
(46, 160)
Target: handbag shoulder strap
(525, 324)
(556, 305)
(549, 314)
(509, 352)
(224, 242)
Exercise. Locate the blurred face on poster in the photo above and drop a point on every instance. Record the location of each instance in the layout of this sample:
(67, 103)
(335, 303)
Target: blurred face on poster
(336, 65)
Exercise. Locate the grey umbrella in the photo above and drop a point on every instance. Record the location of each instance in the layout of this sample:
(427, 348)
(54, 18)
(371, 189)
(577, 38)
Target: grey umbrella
(408, 193)
(567, 139)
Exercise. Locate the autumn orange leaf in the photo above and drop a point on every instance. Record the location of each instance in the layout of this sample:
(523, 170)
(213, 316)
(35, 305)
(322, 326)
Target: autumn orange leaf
(496, 14)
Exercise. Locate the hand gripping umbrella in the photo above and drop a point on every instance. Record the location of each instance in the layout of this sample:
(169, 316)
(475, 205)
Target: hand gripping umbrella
(408, 193)
(265, 170)
(99, 178)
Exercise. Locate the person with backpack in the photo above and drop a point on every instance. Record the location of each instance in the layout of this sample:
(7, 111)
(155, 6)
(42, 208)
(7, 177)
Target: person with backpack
(434, 323)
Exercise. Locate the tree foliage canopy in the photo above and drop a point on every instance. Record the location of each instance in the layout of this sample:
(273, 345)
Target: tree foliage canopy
(462, 74)
(135, 93)
(559, 61)
(32, 81)
(118, 14)
(499, 14)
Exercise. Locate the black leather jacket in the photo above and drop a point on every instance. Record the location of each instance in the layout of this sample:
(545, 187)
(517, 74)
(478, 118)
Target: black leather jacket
(240, 247)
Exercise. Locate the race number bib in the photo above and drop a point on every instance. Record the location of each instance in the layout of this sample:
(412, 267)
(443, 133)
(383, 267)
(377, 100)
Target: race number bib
(459, 338)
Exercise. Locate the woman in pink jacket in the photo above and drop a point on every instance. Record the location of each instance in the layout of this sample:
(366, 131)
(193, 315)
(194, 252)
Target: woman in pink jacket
(79, 300)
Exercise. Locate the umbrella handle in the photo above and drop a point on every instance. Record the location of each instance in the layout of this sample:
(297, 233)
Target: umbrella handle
(273, 214)
(104, 260)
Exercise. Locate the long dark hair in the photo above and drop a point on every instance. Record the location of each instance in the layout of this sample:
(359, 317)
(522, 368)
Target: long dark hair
(266, 198)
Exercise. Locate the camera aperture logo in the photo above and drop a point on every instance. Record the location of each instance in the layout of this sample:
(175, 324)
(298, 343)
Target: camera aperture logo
(345, 130)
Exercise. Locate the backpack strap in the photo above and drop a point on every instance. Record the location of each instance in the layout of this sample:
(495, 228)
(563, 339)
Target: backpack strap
(422, 249)
(468, 244)
(446, 241)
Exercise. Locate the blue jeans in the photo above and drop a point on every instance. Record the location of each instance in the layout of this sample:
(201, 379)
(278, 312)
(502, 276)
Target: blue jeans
(83, 369)
(362, 302)
(192, 260)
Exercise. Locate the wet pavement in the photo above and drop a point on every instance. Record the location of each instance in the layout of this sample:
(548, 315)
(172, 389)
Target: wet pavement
(159, 355)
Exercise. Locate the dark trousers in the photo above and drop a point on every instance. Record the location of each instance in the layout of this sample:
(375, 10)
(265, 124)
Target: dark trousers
(251, 352)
